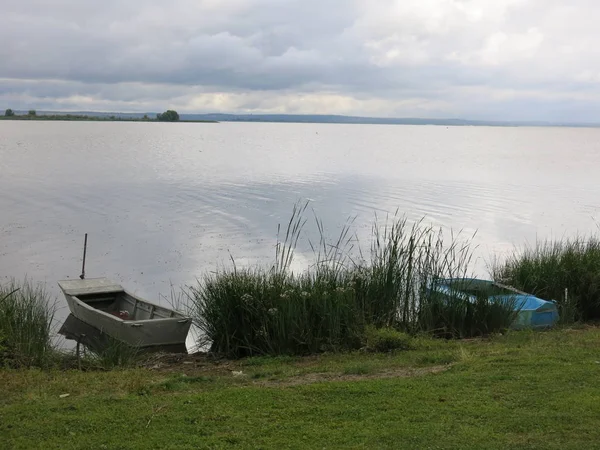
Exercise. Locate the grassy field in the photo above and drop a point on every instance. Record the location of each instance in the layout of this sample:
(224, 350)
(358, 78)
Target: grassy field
(521, 390)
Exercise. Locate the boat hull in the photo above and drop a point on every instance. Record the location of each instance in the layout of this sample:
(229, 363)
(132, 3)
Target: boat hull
(532, 312)
(77, 330)
(153, 331)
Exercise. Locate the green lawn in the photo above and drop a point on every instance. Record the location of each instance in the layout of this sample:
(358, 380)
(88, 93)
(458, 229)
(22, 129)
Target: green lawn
(521, 390)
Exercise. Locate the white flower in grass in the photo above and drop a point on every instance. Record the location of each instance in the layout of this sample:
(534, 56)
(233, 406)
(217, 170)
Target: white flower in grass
(261, 333)
(340, 289)
(305, 294)
(246, 298)
(358, 277)
(272, 311)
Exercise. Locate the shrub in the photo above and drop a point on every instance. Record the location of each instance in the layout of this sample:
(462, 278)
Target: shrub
(386, 339)
(168, 116)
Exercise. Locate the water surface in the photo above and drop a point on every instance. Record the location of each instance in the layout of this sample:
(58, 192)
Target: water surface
(165, 203)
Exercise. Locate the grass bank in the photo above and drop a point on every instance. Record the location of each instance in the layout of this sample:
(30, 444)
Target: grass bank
(520, 390)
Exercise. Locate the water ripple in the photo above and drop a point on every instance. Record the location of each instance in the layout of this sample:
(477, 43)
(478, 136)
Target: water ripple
(166, 204)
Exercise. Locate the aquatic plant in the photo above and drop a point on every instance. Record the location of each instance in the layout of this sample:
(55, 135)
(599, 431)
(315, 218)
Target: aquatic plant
(456, 316)
(386, 339)
(26, 315)
(256, 311)
(567, 271)
(115, 354)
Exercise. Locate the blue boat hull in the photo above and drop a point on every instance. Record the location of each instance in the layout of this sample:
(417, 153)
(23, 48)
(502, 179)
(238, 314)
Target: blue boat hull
(532, 312)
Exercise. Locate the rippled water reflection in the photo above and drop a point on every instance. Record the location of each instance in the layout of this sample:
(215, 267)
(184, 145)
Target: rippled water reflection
(165, 203)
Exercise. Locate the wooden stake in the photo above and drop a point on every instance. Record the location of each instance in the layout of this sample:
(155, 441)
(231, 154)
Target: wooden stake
(82, 276)
(78, 353)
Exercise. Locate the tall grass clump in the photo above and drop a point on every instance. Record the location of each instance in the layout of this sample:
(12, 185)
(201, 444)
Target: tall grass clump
(567, 271)
(258, 311)
(407, 262)
(254, 312)
(454, 315)
(26, 314)
(114, 354)
(330, 305)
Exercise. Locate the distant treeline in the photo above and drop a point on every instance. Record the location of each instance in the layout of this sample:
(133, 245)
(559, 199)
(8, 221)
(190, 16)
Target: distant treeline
(173, 116)
(73, 117)
(167, 116)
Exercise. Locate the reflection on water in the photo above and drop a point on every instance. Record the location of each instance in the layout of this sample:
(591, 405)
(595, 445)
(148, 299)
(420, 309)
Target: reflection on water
(165, 203)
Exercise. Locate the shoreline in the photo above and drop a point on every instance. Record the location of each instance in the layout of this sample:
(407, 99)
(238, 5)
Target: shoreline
(75, 118)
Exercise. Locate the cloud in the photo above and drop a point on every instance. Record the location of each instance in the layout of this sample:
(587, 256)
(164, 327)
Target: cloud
(386, 58)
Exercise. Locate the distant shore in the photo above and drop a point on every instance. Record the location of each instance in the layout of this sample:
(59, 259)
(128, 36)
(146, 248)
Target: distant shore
(285, 118)
(86, 118)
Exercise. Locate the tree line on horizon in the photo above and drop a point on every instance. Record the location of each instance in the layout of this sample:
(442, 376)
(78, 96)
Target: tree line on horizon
(10, 113)
(167, 116)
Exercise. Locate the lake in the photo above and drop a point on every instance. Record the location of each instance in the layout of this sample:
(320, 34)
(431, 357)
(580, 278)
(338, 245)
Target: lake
(166, 203)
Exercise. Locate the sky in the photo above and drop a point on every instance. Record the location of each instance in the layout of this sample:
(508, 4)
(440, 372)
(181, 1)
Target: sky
(470, 59)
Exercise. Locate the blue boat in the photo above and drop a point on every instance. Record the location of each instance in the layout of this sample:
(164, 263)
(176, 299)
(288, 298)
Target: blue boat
(533, 312)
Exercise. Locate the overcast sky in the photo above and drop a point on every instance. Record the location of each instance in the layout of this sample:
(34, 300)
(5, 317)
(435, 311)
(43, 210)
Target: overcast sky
(476, 59)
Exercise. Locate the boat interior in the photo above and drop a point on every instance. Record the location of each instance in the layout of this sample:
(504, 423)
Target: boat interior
(126, 306)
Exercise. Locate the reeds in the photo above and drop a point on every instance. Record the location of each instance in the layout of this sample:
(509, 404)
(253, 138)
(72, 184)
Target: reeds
(454, 316)
(567, 271)
(329, 306)
(252, 312)
(115, 354)
(26, 314)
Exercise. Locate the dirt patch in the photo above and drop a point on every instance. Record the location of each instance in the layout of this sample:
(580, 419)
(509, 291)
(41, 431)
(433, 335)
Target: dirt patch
(188, 364)
(205, 364)
(312, 378)
(582, 327)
